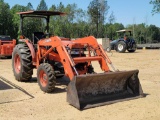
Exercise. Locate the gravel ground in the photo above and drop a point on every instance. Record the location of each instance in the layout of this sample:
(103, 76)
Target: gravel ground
(25, 101)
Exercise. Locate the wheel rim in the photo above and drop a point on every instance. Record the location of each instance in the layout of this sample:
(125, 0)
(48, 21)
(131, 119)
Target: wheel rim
(43, 78)
(120, 47)
(108, 49)
(17, 63)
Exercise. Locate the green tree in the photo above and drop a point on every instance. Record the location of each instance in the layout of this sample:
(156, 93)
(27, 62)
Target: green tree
(140, 33)
(30, 25)
(6, 23)
(111, 18)
(70, 25)
(97, 11)
(53, 8)
(153, 33)
(42, 5)
(16, 19)
(82, 28)
(156, 6)
(110, 30)
(42, 23)
(57, 23)
(29, 6)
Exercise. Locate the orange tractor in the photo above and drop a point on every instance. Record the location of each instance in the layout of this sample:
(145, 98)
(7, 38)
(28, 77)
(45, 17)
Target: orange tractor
(55, 57)
(6, 46)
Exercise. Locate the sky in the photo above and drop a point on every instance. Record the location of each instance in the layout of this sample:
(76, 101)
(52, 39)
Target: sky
(125, 11)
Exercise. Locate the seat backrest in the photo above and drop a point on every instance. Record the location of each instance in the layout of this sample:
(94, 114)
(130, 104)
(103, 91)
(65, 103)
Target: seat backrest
(37, 36)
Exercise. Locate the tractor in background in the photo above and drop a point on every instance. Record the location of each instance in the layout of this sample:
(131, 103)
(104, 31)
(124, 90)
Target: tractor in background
(124, 42)
(6, 46)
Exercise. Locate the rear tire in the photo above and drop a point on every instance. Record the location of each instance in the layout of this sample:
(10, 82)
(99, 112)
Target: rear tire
(133, 48)
(46, 77)
(22, 63)
(131, 51)
(121, 47)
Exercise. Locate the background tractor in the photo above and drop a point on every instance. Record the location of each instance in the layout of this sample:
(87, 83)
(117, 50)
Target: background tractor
(54, 57)
(6, 46)
(124, 42)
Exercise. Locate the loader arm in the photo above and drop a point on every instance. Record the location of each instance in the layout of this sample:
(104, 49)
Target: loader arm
(64, 57)
(92, 42)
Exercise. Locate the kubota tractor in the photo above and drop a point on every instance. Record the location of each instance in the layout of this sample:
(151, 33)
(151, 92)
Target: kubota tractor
(54, 57)
(6, 46)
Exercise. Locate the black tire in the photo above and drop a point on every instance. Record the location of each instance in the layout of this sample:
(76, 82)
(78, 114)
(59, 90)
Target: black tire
(131, 51)
(22, 63)
(59, 70)
(46, 77)
(121, 47)
(134, 47)
(59, 76)
(9, 57)
(90, 69)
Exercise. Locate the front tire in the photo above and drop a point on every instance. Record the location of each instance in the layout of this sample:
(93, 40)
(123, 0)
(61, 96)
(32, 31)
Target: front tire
(22, 63)
(9, 57)
(121, 47)
(133, 48)
(131, 51)
(108, 49)
(46, 77)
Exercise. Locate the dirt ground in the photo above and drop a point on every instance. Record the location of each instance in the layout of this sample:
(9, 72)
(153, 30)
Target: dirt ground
(15, 104)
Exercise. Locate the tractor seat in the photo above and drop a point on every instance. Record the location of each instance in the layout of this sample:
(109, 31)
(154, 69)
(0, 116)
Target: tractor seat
(37, 36)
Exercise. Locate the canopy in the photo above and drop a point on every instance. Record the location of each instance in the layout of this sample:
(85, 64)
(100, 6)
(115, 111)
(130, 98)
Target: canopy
(41, 13)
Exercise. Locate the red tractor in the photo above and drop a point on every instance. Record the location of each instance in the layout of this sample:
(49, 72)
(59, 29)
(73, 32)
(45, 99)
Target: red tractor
(54, 57)
(6, 46)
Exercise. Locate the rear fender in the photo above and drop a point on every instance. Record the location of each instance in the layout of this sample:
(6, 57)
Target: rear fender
(121, 40)
(31, 48)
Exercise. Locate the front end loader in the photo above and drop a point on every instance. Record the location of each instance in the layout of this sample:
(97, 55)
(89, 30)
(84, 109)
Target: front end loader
(55, 57)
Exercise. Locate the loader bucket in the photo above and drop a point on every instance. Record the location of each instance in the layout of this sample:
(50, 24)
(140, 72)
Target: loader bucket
(87, 91)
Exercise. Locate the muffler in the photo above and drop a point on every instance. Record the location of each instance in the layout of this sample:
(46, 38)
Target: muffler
(91, 90)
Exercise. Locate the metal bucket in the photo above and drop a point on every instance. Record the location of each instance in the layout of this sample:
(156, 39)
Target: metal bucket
(93, 90)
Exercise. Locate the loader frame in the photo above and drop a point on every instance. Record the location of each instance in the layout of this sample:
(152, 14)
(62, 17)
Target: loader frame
(65, 58)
